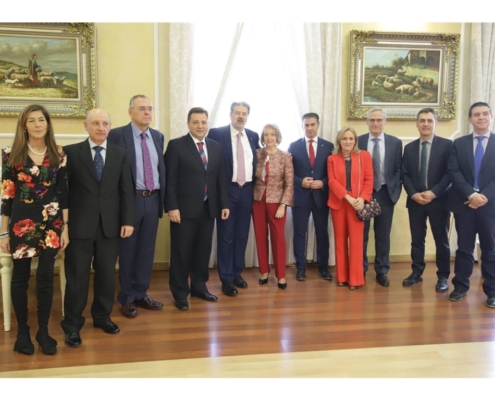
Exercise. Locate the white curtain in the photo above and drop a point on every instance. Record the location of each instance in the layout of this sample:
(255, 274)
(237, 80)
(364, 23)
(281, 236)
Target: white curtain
(282, 70)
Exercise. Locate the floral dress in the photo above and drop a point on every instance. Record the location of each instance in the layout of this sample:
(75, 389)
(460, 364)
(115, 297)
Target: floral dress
(33, 196)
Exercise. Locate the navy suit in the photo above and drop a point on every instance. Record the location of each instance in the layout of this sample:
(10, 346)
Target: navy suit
(468, 221)
(309, 201)
(233, 232)
(137, 252)
(387, 196)
(438, 181)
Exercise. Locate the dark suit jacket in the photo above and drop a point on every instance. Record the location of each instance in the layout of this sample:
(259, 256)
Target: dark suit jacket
(123, 137)
(393, 161)
(222, 136)
(461, 171)
(112, 199)
(438, 177)
(302, 169)
(186, 178)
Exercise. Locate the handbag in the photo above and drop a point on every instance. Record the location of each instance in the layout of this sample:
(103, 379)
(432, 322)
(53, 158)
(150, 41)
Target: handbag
(371, 208)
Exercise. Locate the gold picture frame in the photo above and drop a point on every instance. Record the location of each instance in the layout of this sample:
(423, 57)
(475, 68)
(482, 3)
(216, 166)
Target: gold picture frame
(52, 64)
(403, 73)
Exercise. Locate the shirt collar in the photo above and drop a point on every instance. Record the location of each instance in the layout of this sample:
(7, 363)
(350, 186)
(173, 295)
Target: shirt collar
(137, 132)
(315, 139)
(234, 132)
(430, 140)
(93, 144)
(381, 137)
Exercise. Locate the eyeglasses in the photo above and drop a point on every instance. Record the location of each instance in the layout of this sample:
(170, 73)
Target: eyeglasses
(376, 121)
(141, 109)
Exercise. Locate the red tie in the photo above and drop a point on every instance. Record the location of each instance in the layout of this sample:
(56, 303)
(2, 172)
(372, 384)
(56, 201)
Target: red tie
(147, 166)
(311, 153)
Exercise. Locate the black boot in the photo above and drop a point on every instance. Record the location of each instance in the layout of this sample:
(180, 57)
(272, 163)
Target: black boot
(19, 287)
(44, 291)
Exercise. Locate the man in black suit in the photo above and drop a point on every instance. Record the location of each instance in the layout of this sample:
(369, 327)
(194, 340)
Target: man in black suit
(309, 156)
(386, 151)
(101, 209)
(472, 200)
(427, 183)
(232, 234)
(144, 147)
(195, 194)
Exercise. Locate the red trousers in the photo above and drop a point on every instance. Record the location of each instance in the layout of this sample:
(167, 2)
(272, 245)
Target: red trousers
(349, 235)
(264, 217)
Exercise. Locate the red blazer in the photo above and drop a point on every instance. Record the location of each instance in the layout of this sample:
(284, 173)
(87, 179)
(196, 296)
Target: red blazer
(337, 178)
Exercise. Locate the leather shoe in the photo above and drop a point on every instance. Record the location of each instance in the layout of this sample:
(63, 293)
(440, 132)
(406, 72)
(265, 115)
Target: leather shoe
(148, 303)
(412, 279)
(229, 289)
(282, 286)
(205, 296)
(325, 274)
(442, 285)
(456, 295)
(301, 274)
(182, 305)
(490, 302)
(240, 283)
(108, 327)
(73, 339)
(129, 310)
(382, 280)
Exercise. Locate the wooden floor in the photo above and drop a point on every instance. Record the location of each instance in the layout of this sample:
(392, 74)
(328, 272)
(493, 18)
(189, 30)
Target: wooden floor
(310, 321)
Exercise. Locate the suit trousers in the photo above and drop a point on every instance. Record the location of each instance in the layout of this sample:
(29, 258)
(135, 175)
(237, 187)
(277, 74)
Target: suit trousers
(102, 252)
(382, 225)
(233, 232)
(348, 236)
(190, 243)
(468, 224)
(264, 218)
(439, 223)
(300, 218)
(137, 252)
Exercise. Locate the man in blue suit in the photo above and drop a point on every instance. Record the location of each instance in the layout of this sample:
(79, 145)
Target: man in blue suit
(386, 151)
(309, 157)
(427, 183)
(145, 154)
(472, 200)
(239, 151)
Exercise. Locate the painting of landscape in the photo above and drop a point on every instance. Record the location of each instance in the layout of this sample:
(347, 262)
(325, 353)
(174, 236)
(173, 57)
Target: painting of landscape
(401, 75)
(37, 67)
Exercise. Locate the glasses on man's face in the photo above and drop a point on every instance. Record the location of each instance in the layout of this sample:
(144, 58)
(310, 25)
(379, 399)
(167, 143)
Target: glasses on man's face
(142, 109)
(376, 121)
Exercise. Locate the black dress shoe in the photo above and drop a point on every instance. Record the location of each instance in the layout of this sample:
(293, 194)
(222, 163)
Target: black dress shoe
(412, 279)
(382, 280)
(229, 289)
(456, 295)
(325, 274)
(301, 274)
(240, 283)
(205, 296)
(282, 286)
(442, 285)
(73, 339)
(108, 327)
(129, 310)
(490, 302)
(182, 305)
(263, 281)
(149, 304)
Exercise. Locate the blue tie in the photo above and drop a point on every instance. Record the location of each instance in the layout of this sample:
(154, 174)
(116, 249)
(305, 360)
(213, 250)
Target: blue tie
(99, 164)
(422, 168)
(478, 158)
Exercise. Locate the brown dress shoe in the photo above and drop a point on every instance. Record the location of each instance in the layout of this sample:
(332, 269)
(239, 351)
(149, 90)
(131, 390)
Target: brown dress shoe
(129, 310)
(148, 303)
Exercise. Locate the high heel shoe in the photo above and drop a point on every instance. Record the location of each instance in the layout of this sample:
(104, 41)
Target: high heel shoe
(23, 344)
(47, 343)
(263, 281)
(282, 285)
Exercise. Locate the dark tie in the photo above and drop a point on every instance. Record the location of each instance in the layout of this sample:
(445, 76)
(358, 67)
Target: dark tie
(422, 167)
(147, 166)
(241, 165)
(311, 153)
(478, 158)
(205, 163)
(376, 165)
(99, 164)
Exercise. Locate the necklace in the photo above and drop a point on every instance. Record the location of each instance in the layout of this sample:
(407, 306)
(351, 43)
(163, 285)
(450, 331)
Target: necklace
(38, 154)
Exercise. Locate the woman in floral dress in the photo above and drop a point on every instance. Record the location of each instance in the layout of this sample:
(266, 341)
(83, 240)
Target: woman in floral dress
(34, 218)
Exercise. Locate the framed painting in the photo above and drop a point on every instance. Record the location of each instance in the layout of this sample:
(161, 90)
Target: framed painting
(403, 73)
(52, 64)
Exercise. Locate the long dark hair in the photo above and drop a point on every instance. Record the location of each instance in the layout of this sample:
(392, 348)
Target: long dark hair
(18, 154)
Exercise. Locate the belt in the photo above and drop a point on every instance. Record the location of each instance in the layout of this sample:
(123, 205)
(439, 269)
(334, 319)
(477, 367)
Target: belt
(146, 193)
(241, 186)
